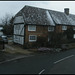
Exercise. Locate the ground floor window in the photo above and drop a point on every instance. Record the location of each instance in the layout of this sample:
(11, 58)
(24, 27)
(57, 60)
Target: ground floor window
(32, 38)
(74, 36)
(74, 28)
(48, 39)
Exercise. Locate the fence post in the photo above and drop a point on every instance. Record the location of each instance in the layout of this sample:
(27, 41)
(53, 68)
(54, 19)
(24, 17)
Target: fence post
(2, 46)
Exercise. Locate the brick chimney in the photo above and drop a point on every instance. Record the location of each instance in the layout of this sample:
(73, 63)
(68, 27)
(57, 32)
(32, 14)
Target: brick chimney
(66, 11)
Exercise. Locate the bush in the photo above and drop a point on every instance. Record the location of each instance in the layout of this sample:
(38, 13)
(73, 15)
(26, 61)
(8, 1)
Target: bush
(56, 39)
(27, 46)
(70, 32)
(41, 42)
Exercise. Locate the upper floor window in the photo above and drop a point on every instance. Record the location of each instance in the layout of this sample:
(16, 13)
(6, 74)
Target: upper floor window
(50, 28)
(64, 27)
(31, 28)
(73, 28)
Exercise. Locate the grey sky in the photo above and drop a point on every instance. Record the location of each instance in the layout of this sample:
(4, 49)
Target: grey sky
(12, 7)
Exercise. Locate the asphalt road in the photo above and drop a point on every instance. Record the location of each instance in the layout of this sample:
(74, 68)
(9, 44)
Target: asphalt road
(42, 63)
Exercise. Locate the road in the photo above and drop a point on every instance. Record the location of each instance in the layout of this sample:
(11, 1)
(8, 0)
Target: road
(42, 63)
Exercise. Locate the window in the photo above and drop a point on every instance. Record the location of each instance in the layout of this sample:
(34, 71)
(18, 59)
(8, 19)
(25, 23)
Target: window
(31, 28)
(32, 38)
(64, 27)
(74, 36)
(50, 28)
(49, 38)
(73, 28)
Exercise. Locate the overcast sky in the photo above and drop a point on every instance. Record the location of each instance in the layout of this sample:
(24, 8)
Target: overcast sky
(12, 7)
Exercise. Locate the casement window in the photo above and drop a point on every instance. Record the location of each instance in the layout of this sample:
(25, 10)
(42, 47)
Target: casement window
(73, 28)
(32, 38)
(74, 36)
(48, 39)
(31, 28)
(50, 28)
(64, 27)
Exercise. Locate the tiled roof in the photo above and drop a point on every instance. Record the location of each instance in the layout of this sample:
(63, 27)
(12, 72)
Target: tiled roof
(59, 17)
(39, 16)
(71, 19)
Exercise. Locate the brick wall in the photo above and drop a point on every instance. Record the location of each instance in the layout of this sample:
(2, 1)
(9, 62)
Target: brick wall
(58, 28)
(40, 31)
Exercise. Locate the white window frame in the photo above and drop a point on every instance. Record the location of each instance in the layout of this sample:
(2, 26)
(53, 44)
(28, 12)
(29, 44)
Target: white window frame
(51, 29)
(29, 28)
(74, 28)
(33, 40)
(64, 27)
(74, 36)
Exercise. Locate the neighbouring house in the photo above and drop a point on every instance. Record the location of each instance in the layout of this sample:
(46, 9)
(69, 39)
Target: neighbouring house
(32, 22)
(1, 28)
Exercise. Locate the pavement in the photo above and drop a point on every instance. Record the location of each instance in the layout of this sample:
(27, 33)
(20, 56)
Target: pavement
(11, 48)
(13, 52)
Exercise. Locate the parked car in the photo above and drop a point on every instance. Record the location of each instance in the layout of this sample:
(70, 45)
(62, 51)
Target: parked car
(5, 39)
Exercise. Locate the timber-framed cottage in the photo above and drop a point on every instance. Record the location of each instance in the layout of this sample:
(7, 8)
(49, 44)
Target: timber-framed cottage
(32, 22)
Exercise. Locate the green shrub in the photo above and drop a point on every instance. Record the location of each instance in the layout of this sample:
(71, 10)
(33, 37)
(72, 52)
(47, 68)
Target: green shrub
(41, 42)
(57, 39)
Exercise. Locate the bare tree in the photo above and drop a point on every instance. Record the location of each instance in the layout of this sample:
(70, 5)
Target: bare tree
(6, 19)
(7, 22)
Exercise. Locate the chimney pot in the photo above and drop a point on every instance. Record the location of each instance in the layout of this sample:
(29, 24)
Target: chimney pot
(66, 11)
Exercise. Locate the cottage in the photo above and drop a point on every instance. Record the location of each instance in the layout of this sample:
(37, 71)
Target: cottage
(63, 20)
(32, 22)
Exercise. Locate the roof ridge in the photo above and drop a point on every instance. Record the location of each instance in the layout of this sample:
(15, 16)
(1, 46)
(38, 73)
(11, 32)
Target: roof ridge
(43, 8)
